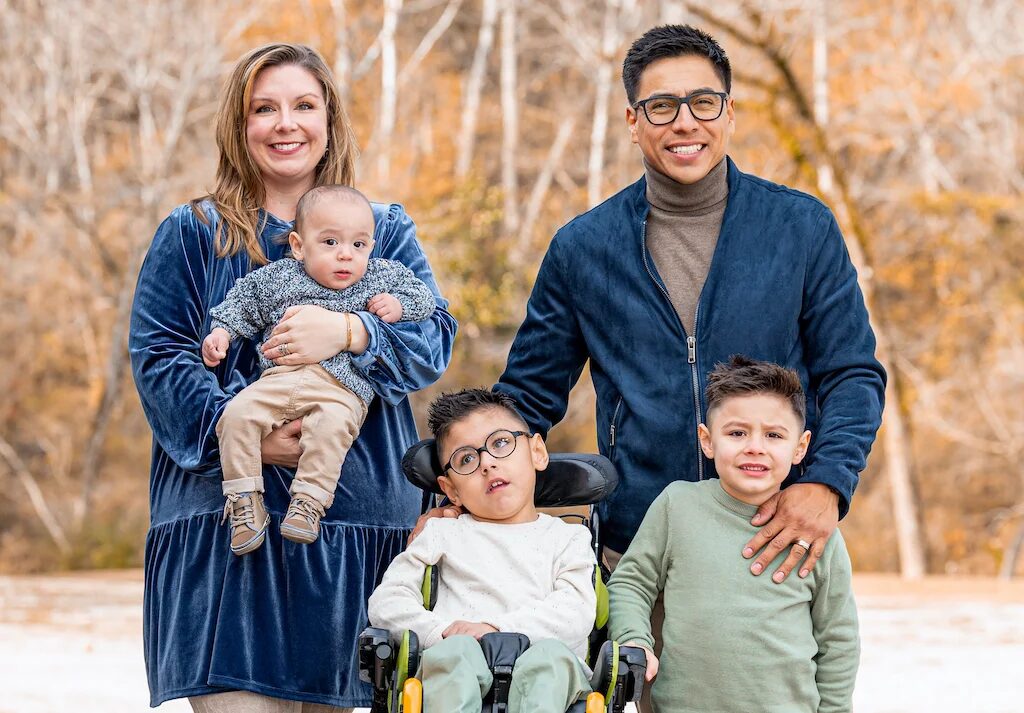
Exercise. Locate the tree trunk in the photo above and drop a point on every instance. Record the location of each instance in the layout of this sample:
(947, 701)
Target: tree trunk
(35, 496)
(474, 87)
(429, 40)
(602, 94)
(342, 52)
(1009, 563)
(388, 88)
(540, 190)
(909, 538)
(509, 120)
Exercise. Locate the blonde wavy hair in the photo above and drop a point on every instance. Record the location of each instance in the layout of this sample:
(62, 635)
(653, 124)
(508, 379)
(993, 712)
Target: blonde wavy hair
(239, 193)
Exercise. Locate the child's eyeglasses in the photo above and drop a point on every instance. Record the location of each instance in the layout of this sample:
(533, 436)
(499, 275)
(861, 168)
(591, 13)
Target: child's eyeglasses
(500, 444)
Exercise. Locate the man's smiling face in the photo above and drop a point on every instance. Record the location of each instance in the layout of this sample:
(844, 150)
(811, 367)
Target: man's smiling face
(687, 149)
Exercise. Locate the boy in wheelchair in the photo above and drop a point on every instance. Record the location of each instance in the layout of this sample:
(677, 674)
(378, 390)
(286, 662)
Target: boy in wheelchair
(502, 566)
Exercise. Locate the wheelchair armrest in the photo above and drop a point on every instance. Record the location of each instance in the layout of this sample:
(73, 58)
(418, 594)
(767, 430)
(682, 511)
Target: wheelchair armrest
(386, 660)
(501, 649)
(376, 656)
(623, 678)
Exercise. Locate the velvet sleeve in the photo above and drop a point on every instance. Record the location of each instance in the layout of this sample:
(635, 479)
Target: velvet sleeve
(406, 356)
(182, 399)
(839, 348)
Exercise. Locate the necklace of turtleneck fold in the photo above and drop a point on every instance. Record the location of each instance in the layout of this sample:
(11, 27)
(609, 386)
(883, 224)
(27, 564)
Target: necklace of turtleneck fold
(682, 232)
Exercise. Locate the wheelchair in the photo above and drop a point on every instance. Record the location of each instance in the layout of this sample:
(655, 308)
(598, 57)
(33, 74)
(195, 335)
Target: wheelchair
(389, 660)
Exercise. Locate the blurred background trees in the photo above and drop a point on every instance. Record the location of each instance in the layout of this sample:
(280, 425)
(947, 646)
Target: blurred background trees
(495, 122)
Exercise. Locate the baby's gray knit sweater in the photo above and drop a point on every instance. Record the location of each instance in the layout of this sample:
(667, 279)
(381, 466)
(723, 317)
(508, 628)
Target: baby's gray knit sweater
(258, 302)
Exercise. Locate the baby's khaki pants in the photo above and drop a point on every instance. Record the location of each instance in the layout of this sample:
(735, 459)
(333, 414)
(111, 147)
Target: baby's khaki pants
(331, 418)
(547, 678)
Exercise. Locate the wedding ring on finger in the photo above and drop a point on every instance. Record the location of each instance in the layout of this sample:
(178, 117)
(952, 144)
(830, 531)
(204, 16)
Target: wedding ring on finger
(284, 349)
(805, 544)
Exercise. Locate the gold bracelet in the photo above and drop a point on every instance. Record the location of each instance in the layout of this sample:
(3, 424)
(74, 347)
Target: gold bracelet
(348, 333)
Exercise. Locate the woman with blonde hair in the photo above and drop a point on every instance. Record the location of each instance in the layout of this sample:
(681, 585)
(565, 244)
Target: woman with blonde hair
(275, 630)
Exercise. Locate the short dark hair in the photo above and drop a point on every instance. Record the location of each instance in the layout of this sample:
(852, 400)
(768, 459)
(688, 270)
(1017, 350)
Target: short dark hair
(669, 41)
(448, 409)
(743, 376)
(314, 195)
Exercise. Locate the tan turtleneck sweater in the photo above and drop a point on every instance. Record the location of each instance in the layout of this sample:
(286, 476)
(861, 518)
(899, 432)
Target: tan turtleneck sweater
(682, 232)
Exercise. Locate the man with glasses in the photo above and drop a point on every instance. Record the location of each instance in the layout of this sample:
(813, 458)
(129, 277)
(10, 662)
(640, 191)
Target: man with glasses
(695, 262)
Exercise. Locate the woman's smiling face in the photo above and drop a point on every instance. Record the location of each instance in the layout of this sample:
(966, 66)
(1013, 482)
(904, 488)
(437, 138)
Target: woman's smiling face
(286, 126)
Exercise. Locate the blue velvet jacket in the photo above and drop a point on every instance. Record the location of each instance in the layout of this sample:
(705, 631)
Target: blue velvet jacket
(781, 287)
(282, 621)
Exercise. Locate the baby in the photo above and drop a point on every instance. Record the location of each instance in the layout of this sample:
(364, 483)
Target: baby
(331, 268)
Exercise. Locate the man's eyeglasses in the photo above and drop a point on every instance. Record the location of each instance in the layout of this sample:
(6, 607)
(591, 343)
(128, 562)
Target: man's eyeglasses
(499, 444)
(664, 108)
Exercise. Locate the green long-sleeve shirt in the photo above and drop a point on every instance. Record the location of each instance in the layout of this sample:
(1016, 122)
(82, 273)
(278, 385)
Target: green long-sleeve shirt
(733, 642)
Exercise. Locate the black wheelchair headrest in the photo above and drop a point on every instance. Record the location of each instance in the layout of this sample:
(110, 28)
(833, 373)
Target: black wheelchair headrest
(569, 479)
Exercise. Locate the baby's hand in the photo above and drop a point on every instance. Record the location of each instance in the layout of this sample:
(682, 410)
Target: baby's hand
(469, 628)
(652, 661)
(385, 306)
(215, 346)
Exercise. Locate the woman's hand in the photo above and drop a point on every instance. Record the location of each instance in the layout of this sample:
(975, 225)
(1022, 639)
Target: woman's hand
(282, 446)
(308, 334)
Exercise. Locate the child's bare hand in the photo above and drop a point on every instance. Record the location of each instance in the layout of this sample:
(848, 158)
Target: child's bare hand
(386, 307)
(215, 346)
(467, 628)
(652, 661)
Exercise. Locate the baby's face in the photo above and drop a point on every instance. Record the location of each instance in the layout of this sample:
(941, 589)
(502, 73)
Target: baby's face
(336, 242)
(499, 489)
(754, 441)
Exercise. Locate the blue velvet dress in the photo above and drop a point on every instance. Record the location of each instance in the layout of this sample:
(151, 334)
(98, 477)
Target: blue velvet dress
(281, 621)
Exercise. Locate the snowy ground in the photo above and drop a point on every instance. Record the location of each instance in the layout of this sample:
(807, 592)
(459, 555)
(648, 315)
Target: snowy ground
(73, 643)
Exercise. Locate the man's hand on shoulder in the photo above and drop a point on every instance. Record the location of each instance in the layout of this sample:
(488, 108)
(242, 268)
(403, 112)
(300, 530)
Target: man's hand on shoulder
(803, 515)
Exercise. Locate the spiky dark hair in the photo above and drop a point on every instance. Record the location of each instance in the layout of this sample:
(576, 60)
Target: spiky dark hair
(447, 409)
(743, 376)
(669, 41)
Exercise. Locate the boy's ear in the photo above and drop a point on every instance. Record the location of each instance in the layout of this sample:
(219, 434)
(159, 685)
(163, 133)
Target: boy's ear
(295, 243)
(449, 489)
(801, 447)
(538, 452)
(705, 441)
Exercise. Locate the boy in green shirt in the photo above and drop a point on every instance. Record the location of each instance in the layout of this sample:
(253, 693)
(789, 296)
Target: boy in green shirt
(733, 642)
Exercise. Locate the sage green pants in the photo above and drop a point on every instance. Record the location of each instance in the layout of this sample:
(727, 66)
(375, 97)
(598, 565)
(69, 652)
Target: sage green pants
(547, 678)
